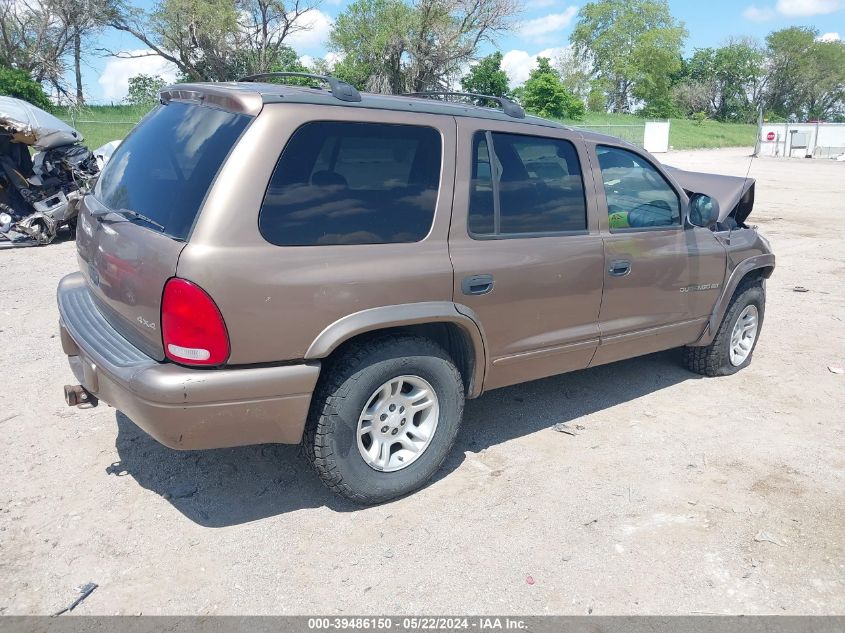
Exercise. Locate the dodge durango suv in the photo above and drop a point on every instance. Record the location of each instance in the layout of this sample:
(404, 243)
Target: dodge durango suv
(270, 263)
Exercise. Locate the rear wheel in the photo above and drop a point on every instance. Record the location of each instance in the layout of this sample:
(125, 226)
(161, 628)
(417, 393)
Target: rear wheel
(384, 417)
(737, 336)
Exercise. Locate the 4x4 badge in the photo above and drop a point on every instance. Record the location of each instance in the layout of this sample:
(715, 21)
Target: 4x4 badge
(146, 323)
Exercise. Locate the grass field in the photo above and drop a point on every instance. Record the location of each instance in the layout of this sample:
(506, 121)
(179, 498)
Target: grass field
(683, 133)
(687, 134)
(100, 124)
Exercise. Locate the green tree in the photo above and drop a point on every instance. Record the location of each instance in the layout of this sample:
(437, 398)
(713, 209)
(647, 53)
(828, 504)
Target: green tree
(806, 77)
(35, 40)
(46, 38)
(545, 95)
(288, 62)
(574, 73)
(18, 84)
(372, 37)
(214, 39)
(487, 77)
(597, 96)
(144, 89)
(82, 19)
(395, 46)
(724, 82)
(634, 46)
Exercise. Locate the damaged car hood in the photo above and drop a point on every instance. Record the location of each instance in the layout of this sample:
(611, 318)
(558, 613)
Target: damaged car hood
(33, 126)
(734, 194)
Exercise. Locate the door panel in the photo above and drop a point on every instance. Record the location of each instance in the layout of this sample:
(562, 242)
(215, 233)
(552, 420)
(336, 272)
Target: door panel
(540, 315)
(664, 301)
(661, 278)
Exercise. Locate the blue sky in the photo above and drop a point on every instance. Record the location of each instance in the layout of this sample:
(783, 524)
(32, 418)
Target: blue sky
(544, 28)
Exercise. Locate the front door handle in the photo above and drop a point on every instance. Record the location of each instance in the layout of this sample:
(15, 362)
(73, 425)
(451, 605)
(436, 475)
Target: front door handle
(477, 284)
(619, 268)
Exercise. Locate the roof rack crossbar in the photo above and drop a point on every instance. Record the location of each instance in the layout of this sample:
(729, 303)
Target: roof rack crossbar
(339, 89)
(508, 107)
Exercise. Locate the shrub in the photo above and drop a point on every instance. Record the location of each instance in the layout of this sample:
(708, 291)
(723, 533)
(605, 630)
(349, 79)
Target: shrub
(18, 84)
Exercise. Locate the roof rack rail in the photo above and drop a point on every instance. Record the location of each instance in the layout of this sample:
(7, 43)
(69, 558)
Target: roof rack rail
(339, 89)
(508, 107)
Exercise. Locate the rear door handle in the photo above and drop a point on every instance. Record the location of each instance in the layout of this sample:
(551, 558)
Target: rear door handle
(619, 268)
(477, 284)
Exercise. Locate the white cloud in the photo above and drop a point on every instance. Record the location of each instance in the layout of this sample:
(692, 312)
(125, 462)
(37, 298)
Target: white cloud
(540, 4)
(319, 25)
(793, 8)
(519, 64)
(800, 8)
(755, 14)
(548, 23)
(829, 37)
(331, 58)
(114, 79)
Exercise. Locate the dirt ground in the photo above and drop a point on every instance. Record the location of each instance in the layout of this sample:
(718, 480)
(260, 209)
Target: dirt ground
(677, 495)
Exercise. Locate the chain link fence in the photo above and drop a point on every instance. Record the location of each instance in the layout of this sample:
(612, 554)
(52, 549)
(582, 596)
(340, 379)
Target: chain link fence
(633, 133)
(99, 127)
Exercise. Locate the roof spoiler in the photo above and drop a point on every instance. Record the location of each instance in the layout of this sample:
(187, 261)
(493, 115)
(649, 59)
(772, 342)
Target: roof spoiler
(339, 89)
(510, 108)
(240, 102)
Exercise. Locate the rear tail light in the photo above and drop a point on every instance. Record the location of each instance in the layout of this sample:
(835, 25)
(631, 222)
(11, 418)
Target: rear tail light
(192, 327)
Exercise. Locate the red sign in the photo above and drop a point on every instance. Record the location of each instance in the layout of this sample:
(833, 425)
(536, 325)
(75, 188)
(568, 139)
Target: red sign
(770, 136)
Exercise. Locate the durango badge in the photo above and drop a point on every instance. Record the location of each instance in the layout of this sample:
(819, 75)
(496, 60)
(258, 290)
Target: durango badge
(700, 287)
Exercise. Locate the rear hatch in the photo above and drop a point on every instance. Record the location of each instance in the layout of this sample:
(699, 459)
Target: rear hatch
(136, 222)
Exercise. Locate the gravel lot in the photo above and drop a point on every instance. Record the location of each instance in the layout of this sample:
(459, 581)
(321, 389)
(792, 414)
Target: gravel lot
(677, 495)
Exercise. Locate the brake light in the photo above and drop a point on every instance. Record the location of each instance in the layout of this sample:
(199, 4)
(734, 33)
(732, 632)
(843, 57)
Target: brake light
(192, 328)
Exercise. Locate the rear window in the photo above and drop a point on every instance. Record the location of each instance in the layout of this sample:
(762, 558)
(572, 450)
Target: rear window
(353, 183)
(166, 165)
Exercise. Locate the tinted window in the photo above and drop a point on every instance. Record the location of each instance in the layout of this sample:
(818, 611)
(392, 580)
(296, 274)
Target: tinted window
(481, 205)
(353, 183)
(539, 185)
(637, 194)
(166, 165)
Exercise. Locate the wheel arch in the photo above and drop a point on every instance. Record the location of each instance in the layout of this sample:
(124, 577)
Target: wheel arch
(456, 330)
(760, 266)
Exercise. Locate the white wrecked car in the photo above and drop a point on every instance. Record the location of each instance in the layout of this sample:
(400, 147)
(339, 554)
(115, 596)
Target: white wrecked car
(39, 193)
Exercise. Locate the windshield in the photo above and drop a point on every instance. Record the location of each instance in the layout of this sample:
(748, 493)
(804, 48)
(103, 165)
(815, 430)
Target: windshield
(164, 168)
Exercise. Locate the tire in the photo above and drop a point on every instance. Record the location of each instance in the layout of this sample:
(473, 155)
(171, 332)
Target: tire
(351, 384)
(715, 359)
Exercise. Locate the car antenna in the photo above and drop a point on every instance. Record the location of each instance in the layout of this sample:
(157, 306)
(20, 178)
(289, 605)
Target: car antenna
(756, 147)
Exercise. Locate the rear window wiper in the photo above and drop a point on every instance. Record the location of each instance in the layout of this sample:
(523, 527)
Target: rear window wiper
(126, 214)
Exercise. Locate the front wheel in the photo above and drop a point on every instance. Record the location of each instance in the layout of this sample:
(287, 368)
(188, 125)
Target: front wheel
(384, 417)
(737, 336)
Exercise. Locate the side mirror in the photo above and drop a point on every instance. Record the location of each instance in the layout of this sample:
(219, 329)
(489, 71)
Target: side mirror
(703, 211)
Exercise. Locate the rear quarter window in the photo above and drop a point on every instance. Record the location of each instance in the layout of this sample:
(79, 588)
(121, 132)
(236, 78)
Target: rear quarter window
(353, 183)
(165, 167)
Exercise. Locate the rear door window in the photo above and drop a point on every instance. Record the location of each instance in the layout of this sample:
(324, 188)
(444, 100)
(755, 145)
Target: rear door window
(353, 183)
(527, 185)
(165, 167)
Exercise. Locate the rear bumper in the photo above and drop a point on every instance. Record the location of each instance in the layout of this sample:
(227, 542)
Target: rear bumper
(180, 407)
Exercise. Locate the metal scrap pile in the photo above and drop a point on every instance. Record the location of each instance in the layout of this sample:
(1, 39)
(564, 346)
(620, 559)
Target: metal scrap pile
(39, 192)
